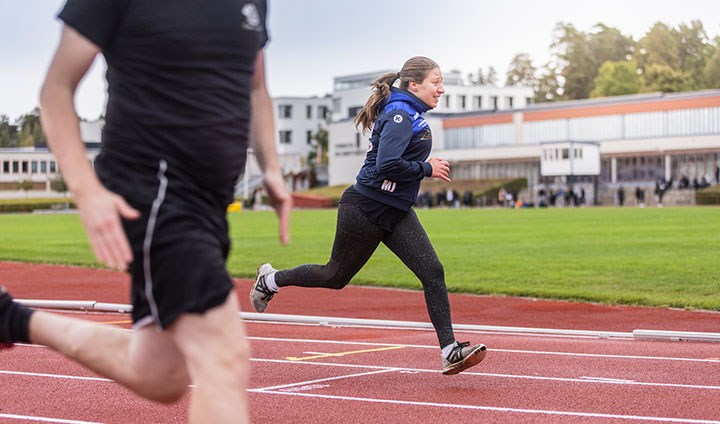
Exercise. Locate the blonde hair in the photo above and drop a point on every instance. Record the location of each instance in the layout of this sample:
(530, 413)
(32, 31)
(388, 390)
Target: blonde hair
(414, 69)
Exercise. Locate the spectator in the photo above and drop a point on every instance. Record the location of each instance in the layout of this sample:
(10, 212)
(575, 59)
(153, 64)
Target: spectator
(640, 196)
(467, 199)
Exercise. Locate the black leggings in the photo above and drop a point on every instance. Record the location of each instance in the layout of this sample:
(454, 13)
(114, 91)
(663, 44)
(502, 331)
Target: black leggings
(356, 238)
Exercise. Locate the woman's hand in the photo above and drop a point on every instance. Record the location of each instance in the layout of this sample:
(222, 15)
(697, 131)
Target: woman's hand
(440, 168)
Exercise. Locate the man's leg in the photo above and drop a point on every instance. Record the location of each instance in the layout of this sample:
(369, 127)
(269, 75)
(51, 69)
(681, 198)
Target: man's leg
(217, 355)
(146, 361)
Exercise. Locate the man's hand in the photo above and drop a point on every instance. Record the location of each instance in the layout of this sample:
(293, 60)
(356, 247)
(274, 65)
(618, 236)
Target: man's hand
(101, 212)
(282, 202)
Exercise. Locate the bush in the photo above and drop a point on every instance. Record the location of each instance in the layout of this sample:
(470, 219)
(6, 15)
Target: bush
(29, 205)
(708, 196)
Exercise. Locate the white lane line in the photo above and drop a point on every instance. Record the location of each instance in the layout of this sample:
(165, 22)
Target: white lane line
(322, 380)
(490, 349)
(381, 369)
(492, 375)
(44, 419)
(67, 377)
(486, 332)
(499, 409)
(608, 380)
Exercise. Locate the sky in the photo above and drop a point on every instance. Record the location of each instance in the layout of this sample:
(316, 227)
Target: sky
(312, 41)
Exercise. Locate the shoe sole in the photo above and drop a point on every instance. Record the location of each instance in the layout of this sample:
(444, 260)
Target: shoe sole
(474, 358)
(252, 290)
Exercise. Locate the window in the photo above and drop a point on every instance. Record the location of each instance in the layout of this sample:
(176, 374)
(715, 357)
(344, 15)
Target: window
(308, 111)
(43, 167)
(309, 137)
(24, 167)
(336, 105)
(353, 111)
(285, 137)
(494, 100)
(15, 167)
(478, 102)
(461, 100)
(322, 112)
(53, 167)
(6, 167)
(447, 101)
(285, 111)
(33, 167)
(357, 140)
(509, 102)
(565, 153)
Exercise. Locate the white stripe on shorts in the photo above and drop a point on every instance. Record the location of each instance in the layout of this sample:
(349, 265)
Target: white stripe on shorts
(152, 220)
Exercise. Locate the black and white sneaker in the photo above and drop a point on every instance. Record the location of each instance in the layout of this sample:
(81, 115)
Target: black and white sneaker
(260, 294)
(462, 357)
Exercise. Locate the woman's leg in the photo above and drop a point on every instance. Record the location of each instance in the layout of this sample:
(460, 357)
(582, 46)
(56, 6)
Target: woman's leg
(356, 238)
(410, 243)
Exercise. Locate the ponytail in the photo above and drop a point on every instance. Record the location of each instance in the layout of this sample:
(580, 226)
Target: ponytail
(380, 92)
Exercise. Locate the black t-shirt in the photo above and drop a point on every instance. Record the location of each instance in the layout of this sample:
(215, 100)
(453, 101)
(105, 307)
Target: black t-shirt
(179, 79)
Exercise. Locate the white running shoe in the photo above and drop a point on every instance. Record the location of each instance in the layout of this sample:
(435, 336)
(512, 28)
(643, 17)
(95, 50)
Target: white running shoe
(260, 294)
(462, 357)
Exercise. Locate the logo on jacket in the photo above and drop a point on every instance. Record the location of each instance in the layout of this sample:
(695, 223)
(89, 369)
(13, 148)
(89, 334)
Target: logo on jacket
(388, 185)
(252, 17)
(397, 119)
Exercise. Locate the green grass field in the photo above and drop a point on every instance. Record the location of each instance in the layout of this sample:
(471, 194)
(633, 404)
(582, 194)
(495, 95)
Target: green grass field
(659, 257)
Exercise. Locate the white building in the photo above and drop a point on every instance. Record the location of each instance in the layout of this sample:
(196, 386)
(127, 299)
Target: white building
(297, 120)
(350, 93)
(635, 141)
(348, 145)
(38, 165)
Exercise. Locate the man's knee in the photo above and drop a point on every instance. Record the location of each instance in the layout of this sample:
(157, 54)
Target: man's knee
(167, 391)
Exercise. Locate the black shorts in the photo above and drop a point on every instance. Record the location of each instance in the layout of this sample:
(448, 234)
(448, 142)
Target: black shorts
(180, 243)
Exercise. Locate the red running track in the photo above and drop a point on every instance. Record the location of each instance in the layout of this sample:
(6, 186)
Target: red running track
(311, 373)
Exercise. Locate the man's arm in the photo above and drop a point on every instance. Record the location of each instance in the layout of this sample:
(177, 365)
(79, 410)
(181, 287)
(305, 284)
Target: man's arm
(100, 210)
(262, 140)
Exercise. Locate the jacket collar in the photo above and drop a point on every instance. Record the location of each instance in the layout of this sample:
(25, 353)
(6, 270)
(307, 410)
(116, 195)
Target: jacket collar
(400, 95)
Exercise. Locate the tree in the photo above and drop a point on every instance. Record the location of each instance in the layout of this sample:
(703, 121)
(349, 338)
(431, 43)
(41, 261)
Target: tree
(659, 46)
(319, 156)
(492, 76)
(617, 78)
(574, 61)
(609, 44)
(489, 78)
(25, 186)
(693, 52)
(31, 133)
(522, 72)
(8, 133)
(665, 79)
(58, 184)
(711, 72)
(548, 87)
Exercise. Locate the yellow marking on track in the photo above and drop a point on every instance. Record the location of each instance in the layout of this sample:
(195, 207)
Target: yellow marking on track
(354, 352)
(117, 322)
